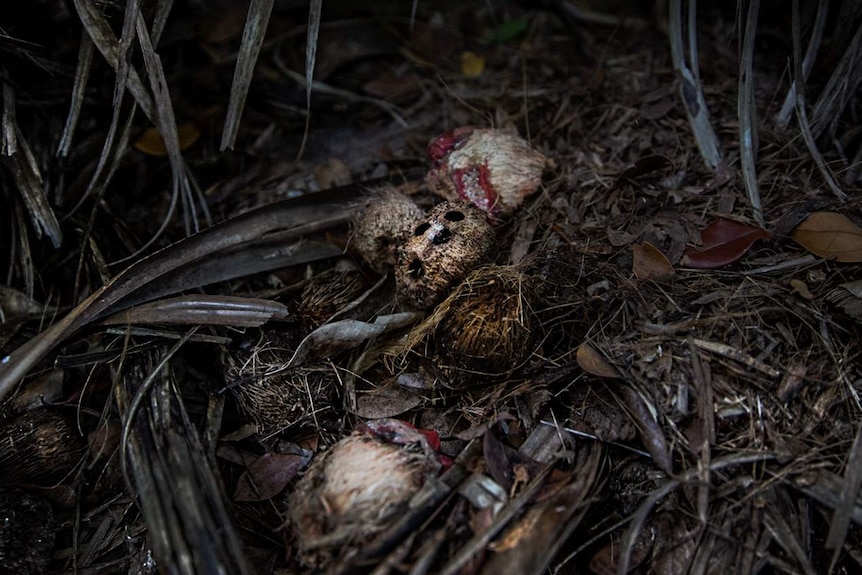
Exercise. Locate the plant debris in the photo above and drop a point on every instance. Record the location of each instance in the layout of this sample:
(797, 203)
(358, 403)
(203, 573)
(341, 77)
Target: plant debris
(614, 304)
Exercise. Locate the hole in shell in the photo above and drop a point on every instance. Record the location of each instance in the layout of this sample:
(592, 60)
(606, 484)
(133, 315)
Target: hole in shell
(416, 269)
(454, 216)
(421, 229)
(441, 237)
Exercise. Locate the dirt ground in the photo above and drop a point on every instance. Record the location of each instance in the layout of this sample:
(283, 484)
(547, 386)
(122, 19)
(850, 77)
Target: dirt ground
(648, 372)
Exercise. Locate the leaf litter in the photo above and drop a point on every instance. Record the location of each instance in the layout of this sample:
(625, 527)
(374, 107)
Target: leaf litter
(686, 404)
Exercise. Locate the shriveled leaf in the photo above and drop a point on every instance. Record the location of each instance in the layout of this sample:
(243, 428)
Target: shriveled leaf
(331, 338)
(830, 235)
(649, 263)
(594, 363)
(801, 288)
(472, 64)
(268, 475)
(151, 142)
(724, 242)
(386, 402)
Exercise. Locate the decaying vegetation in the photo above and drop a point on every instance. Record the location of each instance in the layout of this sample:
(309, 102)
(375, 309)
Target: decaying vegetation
(657, 373)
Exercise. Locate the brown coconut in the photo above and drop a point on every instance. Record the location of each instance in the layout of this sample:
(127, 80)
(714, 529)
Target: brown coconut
(383, 224)
(492, 169)
(329, 292)
(353, 491)
(487, 324)
(453, 239)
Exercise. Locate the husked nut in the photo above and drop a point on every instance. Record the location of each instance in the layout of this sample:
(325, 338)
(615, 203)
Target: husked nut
(492, 169)
(384, 223)
(351, 492)
(451, 240)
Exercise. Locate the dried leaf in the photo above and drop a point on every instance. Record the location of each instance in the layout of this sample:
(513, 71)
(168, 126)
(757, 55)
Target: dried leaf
(830, 235)
(386, 402)
(593, 363)
(268, 475)
(472, 64)
(331, 338)
(799, 287)
(151, 142)
(724, 242)
(649, 263)
(202, 310)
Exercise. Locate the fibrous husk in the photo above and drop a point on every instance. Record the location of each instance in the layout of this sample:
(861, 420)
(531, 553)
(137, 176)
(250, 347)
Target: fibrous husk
(351, 492)
(487, 324)
(329, 292)
(383, 224)
(40, 447)
(272, 397)
(492, 169)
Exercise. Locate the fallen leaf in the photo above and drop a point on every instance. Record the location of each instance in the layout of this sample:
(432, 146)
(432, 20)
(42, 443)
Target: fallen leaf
(268, 475)
(152, 144)
(724, 242)
(593, 363)
(388, 401)
(648, 263)
(830, 235)
(472, 64)
(801, 288)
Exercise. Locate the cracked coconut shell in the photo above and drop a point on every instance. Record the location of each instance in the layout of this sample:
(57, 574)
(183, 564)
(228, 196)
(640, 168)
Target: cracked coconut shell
(352, 491)
(494, 170)
(453, 239)
(487, 324)
(383, 224)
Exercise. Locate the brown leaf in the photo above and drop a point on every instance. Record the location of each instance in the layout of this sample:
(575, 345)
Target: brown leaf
(724, 242)
(593, 363)
(649, 263)
(830, 235)
(387, 401)
(268, 475)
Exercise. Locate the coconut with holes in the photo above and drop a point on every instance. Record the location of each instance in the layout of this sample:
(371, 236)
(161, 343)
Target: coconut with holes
(355, 490)
(444, 246)
(492, 169)
(383, 224)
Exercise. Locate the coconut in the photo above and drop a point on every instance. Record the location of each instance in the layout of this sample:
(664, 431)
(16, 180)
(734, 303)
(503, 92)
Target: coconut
(487, 324)
(444, 247)
(40, 447)
(382, 225)
(329, 292)
(492, 169)
(354, 490)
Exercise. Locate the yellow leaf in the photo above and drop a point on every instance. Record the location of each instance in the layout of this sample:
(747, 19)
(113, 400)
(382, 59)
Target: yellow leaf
(594, 363)
(830, 235)
(472, 64)
(648, 263)
(801, 288)
(152, 144)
